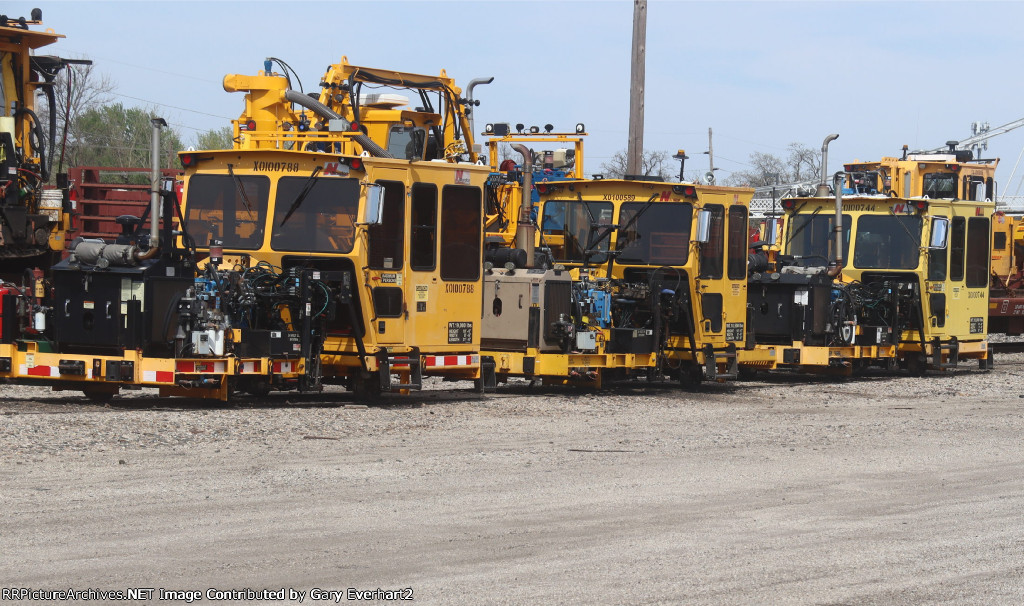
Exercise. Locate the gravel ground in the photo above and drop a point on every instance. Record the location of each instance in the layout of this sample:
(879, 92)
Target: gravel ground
(786, 490)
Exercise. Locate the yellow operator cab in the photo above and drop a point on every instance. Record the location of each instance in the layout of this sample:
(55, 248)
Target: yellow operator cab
(366, 189)
(903, 280)
(655, 283)
(589, 280)
(376, 224)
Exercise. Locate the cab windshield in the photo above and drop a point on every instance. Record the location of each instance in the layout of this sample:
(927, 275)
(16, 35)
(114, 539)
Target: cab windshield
(811, 238)
(323, 214)
(569, 226)
(888, 242)
(654, 234)
(227, 208)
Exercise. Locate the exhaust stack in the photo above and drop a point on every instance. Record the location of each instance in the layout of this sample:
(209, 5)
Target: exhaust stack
(823, 185)
(154, 183)
(837, 186)
(525, 230)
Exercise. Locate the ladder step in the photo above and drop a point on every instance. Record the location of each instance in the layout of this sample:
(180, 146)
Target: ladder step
(391, 365)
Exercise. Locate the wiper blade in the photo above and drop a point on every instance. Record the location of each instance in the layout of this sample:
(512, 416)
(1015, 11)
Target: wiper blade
(308, 187)
(598, 235)
(636, 217)
(241, 190)
(915, 240)
(806, 223)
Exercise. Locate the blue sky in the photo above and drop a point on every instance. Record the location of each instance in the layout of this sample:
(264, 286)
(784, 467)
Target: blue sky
(761, 74)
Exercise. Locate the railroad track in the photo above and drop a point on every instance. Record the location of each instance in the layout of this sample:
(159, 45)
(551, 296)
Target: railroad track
(1006, 347)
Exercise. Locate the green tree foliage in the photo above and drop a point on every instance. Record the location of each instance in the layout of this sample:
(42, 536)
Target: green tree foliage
(218, 138)
(115, 135)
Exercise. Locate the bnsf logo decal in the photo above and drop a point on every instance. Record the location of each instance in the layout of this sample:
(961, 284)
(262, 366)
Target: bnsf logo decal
(458, 288)
(276, 167)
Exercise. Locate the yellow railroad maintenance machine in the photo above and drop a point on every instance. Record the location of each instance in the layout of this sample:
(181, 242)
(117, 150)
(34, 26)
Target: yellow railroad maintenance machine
(893, 269)
(349, 238)
(1006, 305)
(342, 240)
(33, 218)
(594, 279)
(324, 262)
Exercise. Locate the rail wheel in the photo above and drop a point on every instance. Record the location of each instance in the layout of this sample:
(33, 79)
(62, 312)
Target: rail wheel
(747, 373)
(99, 395)
(917, 364)
(365, 388)
(690, 376)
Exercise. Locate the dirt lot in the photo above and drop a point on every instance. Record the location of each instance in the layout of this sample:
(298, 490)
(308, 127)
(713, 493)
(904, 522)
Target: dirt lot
(786, 491)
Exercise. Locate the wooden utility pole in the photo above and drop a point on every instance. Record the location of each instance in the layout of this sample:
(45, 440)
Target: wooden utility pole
(635, 147)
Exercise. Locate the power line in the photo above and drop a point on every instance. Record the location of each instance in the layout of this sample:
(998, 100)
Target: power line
(152, 69)
(751, 142)
(720, 157)
(184, 109)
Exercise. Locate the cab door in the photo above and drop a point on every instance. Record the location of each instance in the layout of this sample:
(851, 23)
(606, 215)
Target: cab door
(460, 267)
(722, 276)
(386, 262)
(424, 284)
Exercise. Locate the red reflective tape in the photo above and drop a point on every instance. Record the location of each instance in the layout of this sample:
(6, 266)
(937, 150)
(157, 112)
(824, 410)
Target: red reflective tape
(39, 371)
(164, 376)
(185, 366)
(450, 360)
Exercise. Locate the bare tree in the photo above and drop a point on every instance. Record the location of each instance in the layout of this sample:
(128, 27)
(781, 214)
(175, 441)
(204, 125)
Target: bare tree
(652, 163)
(76, 89)
(802, 164)
(765, 169)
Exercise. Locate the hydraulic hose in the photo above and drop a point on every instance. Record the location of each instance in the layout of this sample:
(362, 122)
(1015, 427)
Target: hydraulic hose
(325, 112)
(44, 168)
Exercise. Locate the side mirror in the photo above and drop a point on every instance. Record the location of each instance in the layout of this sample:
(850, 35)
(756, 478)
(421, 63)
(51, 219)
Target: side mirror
(703, 226)
(771, 231)
(374, 203)
(940, 233)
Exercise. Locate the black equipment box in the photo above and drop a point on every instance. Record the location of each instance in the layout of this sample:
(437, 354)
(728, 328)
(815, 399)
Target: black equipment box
(632, 340)
(260, 343)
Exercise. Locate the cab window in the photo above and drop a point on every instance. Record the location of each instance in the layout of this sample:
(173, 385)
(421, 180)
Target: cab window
(386, 240)
(937, 263)
(230, 209)
(570, 226)
(407, 142)
(957, 242)
(654, 234)
(711, 252)
(811, 238)
(887, 242)
(940, 185)
(423, 231)
(315, 215)
(737, 242)
(978, 254)
(461, 233)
